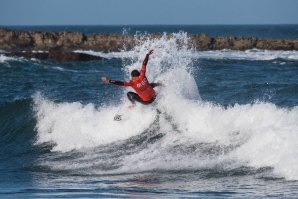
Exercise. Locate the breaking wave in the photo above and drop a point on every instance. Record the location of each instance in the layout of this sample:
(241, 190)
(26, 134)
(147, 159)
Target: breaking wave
(178, 132)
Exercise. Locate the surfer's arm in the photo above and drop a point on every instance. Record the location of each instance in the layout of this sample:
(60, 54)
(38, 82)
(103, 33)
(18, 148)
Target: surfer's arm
(119, 83)
(153, 85)
(144, 65)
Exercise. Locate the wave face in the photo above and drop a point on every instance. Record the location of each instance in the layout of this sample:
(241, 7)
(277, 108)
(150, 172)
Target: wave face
(185, 134)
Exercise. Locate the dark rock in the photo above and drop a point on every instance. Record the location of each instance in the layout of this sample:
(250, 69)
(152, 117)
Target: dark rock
(72, 56)
(108, 42)
(55, 55)
(278, 44)
(57, 40)
(234, 43)
(15, 40)
(244, 43)
(202, 41)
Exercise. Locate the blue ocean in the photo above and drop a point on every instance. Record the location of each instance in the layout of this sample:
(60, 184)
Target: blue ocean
(226, 125)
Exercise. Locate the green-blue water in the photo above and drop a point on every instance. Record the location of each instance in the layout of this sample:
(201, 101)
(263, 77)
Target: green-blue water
(227, 128)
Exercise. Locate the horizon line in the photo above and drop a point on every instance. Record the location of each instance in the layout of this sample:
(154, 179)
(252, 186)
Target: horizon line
(151, 24)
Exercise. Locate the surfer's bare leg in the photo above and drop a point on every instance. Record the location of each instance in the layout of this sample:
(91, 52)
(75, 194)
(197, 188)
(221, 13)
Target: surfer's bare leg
(132, 97)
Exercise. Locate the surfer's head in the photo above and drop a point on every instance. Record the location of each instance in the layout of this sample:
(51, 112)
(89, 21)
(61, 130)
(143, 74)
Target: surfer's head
(135, 73)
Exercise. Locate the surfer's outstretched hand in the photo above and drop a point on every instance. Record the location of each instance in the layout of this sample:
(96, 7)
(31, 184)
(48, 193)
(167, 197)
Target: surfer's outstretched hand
(150, 52)
(105, 79)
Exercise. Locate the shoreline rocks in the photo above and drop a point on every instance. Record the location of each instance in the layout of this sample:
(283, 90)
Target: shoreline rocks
(17, 40)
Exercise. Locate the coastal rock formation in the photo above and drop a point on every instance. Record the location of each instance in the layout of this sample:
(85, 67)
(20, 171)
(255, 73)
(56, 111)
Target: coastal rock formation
(57, 40)
(16, 40)
(55, 55)
(108, 42)
(205, 42)
(235, 43)
(278, 44)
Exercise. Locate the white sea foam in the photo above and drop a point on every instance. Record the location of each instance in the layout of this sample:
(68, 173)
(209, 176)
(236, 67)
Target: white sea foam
(197, 134)
(63, 69)
(74, 126)
(39, 51)
(109, 55)
(252, 54)
(4, 58)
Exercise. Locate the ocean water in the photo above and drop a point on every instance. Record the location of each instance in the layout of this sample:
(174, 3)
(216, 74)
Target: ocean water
(262, 31)
(227, 126)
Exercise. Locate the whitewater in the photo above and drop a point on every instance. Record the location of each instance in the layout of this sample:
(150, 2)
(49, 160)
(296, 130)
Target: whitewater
(189, 129)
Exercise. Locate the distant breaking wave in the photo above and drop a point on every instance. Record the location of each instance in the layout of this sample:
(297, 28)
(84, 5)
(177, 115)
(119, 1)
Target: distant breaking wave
(252, 54)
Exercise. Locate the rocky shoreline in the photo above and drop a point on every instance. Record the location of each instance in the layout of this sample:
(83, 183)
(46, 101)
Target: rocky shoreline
(17, 41)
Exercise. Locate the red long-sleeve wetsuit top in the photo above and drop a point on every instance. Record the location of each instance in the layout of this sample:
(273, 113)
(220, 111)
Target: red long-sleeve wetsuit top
(140, 84)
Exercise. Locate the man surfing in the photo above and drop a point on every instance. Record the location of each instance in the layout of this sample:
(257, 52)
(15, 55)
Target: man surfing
(145, 94)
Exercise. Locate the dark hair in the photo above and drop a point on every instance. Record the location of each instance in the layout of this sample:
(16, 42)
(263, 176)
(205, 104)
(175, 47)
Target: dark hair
(135, 73)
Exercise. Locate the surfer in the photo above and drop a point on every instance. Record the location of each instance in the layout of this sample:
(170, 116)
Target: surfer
(145, 94)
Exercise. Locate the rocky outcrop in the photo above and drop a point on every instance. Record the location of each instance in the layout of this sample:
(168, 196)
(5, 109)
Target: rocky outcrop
(15, 40)
(277, 44)
(204, 42)
(108, 42)
(55, 55)
(61, 41)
